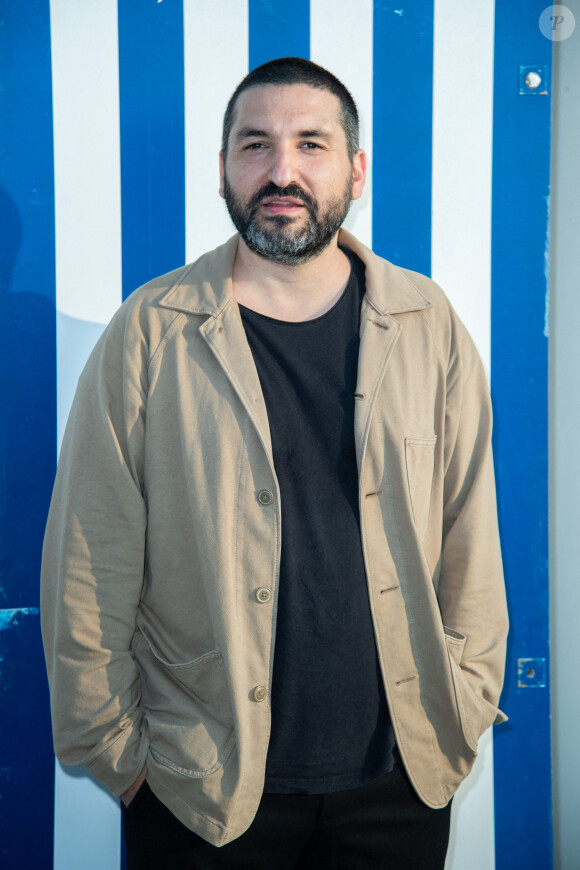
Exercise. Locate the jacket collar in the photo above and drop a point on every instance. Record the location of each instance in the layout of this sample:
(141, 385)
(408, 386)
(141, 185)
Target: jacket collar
(205, 287)
(389, 289)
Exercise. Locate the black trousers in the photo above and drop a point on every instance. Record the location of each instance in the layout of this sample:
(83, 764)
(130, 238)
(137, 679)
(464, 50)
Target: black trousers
(379, 825)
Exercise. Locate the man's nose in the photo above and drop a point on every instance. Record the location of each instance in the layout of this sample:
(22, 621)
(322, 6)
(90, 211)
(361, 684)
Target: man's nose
(284, 167)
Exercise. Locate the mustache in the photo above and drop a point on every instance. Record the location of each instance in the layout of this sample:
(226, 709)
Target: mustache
(293, 190)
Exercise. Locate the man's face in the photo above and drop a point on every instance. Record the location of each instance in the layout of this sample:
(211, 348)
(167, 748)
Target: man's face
(288, 181)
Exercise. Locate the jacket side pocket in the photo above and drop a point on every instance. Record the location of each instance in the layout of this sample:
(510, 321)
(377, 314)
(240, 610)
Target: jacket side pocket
(420, 462)
(475, 714)
(187, 708)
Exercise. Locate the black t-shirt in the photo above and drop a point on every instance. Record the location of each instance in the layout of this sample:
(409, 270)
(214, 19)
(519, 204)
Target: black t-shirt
(330, 722)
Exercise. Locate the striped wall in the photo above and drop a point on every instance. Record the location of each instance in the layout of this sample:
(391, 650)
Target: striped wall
(109, 145)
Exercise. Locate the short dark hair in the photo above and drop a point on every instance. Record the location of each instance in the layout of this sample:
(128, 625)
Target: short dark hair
(298, 71)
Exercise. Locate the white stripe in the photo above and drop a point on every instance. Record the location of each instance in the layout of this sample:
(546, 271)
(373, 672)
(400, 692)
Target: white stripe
(472, 840)
(85, 78)
(341, 39)
(461, 263)
(87, 832)
(216, 59)
(462, 161)
(85, 81)
(88, 290)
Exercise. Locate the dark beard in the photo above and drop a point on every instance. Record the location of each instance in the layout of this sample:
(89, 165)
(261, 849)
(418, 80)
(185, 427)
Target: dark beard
(271, 239)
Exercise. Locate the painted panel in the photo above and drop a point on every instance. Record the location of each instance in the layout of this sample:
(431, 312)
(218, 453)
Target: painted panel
(27, 293)
(519, 364)
(26, 759)
(278, 29)
(27, 428)
(402, 132)
(151, 94)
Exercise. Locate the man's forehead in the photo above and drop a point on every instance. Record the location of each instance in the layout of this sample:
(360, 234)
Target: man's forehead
(297, 101)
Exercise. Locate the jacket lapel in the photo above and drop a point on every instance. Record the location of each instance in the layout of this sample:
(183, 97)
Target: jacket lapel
(226, 337)
(378, 335)
(206, 289)
(389, 291)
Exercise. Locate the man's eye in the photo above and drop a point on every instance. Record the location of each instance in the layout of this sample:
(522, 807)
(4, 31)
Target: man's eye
(254, 146)
(308, 146)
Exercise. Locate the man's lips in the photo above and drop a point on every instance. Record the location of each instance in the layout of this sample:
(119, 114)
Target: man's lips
(282, 204)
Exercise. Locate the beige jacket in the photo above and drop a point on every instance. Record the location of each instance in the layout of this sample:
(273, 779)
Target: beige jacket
(162, 532)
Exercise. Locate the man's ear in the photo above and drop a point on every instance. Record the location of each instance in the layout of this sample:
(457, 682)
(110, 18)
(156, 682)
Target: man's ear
(359, 173)
(222, 175)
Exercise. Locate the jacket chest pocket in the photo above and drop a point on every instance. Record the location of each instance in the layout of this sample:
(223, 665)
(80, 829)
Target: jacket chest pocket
(420, 463)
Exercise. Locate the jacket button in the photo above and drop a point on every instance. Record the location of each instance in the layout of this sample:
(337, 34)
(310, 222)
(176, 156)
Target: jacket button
(265, 496)
(259, 693)
(263, 594)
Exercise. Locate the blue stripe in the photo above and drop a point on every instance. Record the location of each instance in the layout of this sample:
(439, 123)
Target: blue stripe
(521, 165)
(27, 766)
(27, 428)
(402, 132)
(151, 93)
(278, 29)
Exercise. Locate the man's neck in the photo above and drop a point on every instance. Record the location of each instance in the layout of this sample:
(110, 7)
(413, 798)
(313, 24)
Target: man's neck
(291, 293)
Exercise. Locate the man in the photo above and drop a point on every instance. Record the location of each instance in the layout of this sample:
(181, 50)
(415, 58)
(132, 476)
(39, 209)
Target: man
(273, 604)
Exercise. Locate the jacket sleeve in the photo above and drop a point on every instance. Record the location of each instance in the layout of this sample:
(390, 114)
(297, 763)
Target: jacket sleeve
(93, 563)
(471, 590)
